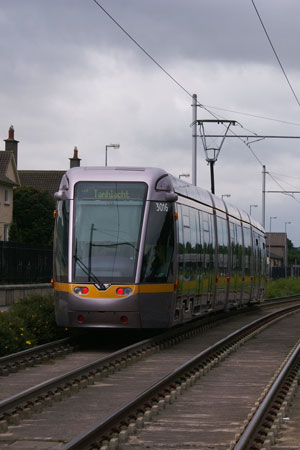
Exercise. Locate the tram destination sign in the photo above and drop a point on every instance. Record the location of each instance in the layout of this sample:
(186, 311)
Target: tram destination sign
(110, 191)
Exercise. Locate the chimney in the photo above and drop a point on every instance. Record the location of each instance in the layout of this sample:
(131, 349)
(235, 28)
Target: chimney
(75, 161)
(11, 145)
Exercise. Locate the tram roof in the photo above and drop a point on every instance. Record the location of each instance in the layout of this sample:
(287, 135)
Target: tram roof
(202, 195)
(151, 175)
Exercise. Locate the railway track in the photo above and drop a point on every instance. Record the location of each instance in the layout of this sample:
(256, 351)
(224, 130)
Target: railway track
(58, 349)
(28, 420)
(36, 355)
(268, 424)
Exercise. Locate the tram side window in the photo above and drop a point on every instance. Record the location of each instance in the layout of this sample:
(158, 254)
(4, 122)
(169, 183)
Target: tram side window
(248, 250)
(195, 242)
(233, 243)
(61, 241)
(222, 244)
(159, 244)
(262, 254)
(188, 267)
(180, 242)
(239, 247)
(236, 241)
(207, 239)
(257, 253)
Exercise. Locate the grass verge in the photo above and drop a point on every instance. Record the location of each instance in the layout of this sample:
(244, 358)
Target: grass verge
(29, 322)
(283, 287)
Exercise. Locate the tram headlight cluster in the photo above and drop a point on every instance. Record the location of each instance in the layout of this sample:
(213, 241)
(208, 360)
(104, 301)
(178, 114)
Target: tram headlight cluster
(81, 290)
(123, 291)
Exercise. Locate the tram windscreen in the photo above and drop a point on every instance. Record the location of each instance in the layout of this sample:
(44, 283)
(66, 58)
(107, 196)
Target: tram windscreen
(107, 228)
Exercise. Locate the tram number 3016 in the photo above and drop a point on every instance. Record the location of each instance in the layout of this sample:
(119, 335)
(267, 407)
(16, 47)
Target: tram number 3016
(162, 207)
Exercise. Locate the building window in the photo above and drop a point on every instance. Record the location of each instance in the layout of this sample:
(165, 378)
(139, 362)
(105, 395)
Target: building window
(6, 197)
(6, 230)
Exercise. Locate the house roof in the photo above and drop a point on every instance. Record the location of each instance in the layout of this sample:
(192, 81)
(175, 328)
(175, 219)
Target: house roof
(5, 159)
(277, 239)
(46, 180)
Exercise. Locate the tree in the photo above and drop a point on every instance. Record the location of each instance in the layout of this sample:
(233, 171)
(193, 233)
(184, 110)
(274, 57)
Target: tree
(32, 216)
(293, 253)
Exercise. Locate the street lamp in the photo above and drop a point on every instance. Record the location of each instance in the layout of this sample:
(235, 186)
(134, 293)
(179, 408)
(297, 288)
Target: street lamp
(106, 147)
(184, 175)
(285, 250)
(252, 206)
(270, 245)
(225, 195)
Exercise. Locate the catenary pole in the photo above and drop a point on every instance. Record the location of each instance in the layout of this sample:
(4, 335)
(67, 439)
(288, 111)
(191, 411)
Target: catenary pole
(194, 154)
(263, 197)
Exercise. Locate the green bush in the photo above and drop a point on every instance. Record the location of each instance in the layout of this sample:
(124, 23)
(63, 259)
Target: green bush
(283, 287)
(29, 322)
(13, 334)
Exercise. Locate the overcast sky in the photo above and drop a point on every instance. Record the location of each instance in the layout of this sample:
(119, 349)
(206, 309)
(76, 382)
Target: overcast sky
(70, 77)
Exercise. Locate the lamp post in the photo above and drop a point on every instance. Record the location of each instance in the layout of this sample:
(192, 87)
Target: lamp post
(252, 206)
(270, 246)
(184, 175)
(225, 195)
(285, 250)
(106, 147)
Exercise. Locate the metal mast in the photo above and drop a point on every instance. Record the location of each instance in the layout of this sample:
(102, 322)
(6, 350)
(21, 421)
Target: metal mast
(194, 154)
(212, 153)
(264, 197)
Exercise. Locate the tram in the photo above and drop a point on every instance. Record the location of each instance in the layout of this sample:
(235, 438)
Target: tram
(135, 247)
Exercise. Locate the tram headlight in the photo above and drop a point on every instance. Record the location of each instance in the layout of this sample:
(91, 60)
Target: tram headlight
(123, 291)
(81, 290)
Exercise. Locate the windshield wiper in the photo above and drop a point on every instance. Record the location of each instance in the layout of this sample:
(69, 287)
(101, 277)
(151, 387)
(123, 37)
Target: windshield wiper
(89, 273)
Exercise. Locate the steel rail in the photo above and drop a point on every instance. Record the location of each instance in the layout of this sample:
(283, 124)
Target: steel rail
(26, 396)
(286, 297)
(29, 351)
(36, 391)
(252, 428)
(31, 395)
(113, 420)
(25, 354)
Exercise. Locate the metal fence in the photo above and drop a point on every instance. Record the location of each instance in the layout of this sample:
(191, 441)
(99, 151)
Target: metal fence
(291, 271)
(25, 263)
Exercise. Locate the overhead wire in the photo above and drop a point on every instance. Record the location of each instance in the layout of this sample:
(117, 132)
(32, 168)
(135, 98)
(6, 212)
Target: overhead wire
(152, 58)
(180, 85)
(275, 53)
(142, 48)
(289, 184)
(282, 188)
(286, 176)
(254, 115)
(198, 103)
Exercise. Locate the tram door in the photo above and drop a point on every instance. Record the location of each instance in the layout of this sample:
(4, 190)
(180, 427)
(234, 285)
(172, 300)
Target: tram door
(182, 310)
(247, 264)
(207, 254)
(256, 266)
(188, 262)
(262, 266)
(222, 263)
(236, 243)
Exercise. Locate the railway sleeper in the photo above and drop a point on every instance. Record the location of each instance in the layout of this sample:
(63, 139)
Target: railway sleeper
(104, 371)
(279, 409)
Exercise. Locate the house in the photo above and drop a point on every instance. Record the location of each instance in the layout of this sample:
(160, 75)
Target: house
(9, 178)
(276, 244)
(46, 180)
